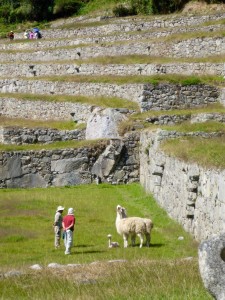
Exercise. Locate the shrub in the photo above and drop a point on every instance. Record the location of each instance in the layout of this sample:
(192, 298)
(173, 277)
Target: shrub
(66, 8)
(123, 11)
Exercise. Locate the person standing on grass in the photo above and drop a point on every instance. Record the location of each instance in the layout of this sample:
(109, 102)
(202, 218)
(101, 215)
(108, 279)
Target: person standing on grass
(58, 225)
(68, 227)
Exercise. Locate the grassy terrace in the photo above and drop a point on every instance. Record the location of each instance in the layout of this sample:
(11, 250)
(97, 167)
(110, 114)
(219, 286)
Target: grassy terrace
(52, 146)
(177, 37)
(141, 59)
(28, 123)
(112, 102)
(134, 59)
(159, 272)
(205, 152)
(137, 79)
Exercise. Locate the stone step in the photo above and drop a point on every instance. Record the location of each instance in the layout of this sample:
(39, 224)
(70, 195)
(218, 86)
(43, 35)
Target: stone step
(49, 69)
(196, 48)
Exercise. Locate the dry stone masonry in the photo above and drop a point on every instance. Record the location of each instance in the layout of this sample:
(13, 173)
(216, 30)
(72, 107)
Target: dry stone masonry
(192, 195)
(70, 166)
(32, 70)
(19, 136)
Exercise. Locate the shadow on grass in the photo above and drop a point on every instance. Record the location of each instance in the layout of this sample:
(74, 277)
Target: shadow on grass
(151, 246)
(89, 251)
(84, 246)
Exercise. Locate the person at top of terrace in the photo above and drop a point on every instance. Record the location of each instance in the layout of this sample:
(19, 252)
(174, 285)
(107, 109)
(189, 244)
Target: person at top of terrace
(11, 35)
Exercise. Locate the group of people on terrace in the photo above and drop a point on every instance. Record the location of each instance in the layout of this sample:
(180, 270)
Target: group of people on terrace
(32, 34)
(28, 34)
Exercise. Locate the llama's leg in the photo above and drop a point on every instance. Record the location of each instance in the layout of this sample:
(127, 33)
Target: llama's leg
(141, 239)
(133, 240)
(148, 238)
(125, 239)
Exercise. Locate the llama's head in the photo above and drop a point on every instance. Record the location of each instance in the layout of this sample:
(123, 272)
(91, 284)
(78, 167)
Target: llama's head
(121, 211)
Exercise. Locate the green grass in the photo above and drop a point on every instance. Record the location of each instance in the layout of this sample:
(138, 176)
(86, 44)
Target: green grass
(27, 238)
(101, 101)
(139, 79)
(60, 125)
(208, 153)
(146, 59)
(51, 146)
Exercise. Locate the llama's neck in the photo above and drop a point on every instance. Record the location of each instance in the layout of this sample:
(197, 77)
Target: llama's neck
(118, 219)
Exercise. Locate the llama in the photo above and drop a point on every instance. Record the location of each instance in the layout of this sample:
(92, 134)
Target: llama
(112, 244)
(133, 226)
(149, 226)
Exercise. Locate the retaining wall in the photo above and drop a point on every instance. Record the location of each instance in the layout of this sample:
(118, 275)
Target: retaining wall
(61, 167)
(129, 24)
(196, 47)
(32, 70)
(192, 195)
(18, 136)
(44, 110)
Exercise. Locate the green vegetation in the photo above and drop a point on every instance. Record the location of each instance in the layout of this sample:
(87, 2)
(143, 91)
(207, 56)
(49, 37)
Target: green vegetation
(141, 79)
(146, 59)
(204, 152)
(27, 238)
(60, 125)
(52, 146)
(102, 101)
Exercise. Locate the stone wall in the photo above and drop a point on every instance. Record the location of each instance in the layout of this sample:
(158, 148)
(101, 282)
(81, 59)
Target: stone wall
(44, 110)
(148, 96)
(126, 91)
(32, 70)
(129, 24)
(19, 136)
(192, 195)
(63, 167)
(167, 119)
(175, 96)
(67, 38)
(196, 47)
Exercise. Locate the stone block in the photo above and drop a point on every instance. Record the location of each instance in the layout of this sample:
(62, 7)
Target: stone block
(211, 255)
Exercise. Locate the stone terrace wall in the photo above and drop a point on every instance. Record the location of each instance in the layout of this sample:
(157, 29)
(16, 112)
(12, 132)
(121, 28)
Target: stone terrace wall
(149, 97)
(131, 24)
(167, 119)
(63, 167)
(44, 110)
(198, 47)
(126, 91)
(169, 96)
(74, 40)
(18, 136)
(32, 70)
(192, 195)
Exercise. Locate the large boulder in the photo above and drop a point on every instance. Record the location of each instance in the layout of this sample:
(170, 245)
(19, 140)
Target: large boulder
(107, 161)
(103, 123)
(212, 265)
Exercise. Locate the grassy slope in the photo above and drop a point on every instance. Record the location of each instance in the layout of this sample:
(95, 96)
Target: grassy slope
(27, 238)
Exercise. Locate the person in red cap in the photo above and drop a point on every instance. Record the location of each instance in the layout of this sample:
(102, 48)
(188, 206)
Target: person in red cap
(58, 225)
(68, 227)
